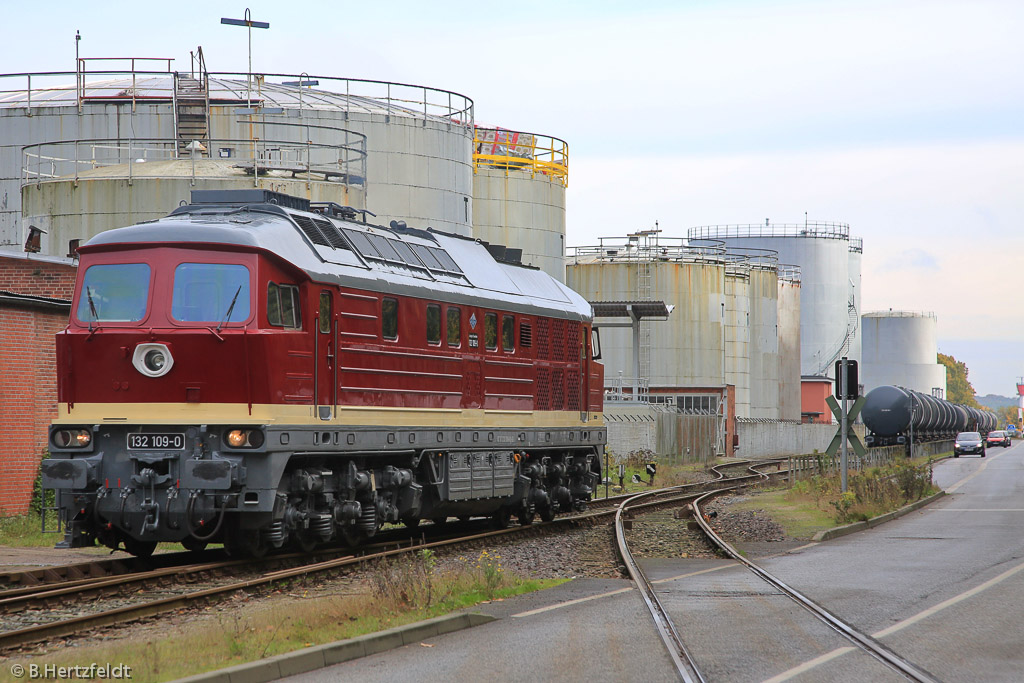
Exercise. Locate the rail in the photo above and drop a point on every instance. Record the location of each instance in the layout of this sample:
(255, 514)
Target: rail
(512, 150)
(624, 249)
(627, 390)
(54, 88)
(124, 159)
(809, 229)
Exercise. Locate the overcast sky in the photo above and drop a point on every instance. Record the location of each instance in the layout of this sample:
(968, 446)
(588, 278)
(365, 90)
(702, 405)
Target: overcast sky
(904, 119)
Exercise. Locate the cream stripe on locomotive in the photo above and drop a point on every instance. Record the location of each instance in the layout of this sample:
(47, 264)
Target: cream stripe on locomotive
(281, 414)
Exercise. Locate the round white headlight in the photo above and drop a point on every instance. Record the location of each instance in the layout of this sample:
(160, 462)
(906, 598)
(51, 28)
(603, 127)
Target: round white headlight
(152, 360)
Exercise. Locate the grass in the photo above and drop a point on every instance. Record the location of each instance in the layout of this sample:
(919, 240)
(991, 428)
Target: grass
(399, 592)
(817, 503)
(25, 531)
(798, 516)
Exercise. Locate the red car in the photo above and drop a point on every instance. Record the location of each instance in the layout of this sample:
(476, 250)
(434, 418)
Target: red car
(998, 438)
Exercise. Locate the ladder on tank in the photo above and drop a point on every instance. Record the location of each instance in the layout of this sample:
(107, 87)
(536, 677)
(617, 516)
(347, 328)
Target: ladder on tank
(191, 107)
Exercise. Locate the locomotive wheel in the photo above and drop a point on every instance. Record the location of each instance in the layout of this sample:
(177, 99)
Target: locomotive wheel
(351, 535)
(526, 518)
(193, 544)
(501, 518)
(303, 543)
(139, 548)
(547, 514)
(246, 544)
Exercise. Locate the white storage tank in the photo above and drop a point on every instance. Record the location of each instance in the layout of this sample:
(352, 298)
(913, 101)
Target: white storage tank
(856, 256)
(901, 348)
(519, 182)
(405, 152)
(827, 322)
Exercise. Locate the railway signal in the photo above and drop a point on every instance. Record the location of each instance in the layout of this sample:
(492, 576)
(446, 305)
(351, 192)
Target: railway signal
(651, 468)
(846, 375)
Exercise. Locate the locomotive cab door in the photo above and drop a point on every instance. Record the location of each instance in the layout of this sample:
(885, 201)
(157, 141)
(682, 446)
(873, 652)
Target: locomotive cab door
(584, 373)
(325, 380)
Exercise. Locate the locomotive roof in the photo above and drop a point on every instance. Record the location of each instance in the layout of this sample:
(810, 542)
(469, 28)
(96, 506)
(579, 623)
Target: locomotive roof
(420, 263)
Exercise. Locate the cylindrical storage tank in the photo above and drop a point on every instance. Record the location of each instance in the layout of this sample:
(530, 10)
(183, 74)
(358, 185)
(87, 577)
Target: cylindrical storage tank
(855, 257)
(737, 333)
(822, 252)
(900, 347)
(67, 210)
(519, 182)
(687, 349)
(416, 163)
(764, 339)
(789, 342)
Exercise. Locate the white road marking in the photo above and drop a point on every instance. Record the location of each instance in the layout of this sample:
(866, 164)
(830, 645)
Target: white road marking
(806, 666)
(577, 601)
(976, 472)
(979, 509)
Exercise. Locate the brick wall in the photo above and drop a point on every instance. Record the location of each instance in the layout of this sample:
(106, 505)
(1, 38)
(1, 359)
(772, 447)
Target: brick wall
(37, 278)
(28, 373)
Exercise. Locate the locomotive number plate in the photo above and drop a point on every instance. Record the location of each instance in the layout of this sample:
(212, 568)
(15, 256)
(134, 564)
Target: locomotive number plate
(151, 441)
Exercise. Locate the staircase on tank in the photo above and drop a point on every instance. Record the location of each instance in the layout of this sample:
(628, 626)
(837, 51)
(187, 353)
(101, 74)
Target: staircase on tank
(190, 114)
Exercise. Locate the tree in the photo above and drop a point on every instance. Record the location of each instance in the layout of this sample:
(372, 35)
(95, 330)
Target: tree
(958, 387)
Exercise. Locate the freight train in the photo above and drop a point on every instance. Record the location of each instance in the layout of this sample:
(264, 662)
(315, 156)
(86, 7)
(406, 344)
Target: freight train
(258, 370)
(892, 414)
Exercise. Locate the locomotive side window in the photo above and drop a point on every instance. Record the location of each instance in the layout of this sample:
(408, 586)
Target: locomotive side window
(508, 341)
(433, 324)
(283, 306)
(116, 292)
(325, 311)
(389, 318)
(210, 292)
(491, 330)
(454, 326)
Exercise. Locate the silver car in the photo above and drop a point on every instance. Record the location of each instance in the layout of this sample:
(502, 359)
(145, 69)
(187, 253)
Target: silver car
(968, 442)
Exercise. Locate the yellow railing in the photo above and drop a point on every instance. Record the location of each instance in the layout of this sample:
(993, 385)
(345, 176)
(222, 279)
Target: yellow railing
(513, 150)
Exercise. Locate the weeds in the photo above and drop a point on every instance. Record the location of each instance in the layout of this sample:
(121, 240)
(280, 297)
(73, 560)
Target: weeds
(870, 493)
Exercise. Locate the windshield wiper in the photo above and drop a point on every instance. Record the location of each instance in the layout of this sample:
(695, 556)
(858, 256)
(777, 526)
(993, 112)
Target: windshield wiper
(92, 308)
(227, 316)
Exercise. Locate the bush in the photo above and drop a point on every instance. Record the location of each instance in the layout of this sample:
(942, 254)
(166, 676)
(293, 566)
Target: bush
(870, 493)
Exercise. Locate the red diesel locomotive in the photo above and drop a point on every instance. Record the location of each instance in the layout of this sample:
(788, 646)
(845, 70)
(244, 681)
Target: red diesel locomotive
(257, 370)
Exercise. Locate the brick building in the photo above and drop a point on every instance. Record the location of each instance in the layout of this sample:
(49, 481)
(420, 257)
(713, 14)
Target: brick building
(35, 300)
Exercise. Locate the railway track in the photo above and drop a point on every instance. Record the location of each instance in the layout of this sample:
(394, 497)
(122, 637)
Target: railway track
(103, 580)
(674, 641)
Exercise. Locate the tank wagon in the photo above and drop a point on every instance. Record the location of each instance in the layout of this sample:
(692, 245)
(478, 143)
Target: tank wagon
(891, 414)
(259, 370)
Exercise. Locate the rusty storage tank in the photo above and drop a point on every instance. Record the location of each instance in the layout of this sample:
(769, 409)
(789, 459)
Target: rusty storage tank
(689, 348)
(519, 183)
(789, 342)
(114, 142)
(737, 331)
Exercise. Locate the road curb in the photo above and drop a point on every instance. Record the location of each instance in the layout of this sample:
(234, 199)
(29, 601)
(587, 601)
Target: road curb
(829, 534)
(320, 656)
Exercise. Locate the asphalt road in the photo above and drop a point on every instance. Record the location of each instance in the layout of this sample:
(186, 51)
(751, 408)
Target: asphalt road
(943, 587)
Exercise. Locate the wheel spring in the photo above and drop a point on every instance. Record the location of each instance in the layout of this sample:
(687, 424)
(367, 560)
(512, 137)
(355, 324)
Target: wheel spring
(368, 518)
(274, 533)
(322, 526)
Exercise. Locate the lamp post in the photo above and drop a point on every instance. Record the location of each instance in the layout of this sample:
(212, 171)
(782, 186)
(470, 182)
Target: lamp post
(250, 24)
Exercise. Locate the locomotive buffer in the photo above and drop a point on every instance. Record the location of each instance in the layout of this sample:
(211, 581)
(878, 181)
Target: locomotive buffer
(846, 388)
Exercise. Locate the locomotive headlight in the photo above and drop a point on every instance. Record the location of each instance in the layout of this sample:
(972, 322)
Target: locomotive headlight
(152, 360)
(71, 438)
(155, 360)
(244, 438)
(237, 438)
